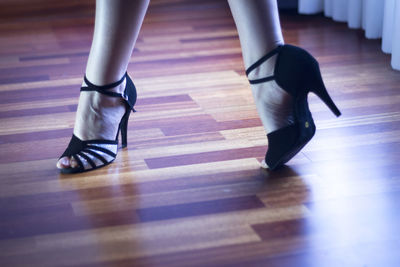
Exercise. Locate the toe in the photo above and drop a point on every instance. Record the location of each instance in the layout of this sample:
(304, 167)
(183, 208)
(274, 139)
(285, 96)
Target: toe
(73, 162)
(264, 165)
(63, 163)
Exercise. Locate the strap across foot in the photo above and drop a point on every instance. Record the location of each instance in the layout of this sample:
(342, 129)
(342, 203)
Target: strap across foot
(103, 88)
(258, 64)
(91, 154)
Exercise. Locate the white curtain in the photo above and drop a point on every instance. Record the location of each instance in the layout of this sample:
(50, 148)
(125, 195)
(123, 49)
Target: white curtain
(379, 19)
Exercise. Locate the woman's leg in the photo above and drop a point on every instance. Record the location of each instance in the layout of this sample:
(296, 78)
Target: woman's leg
(259, 29)
(117, 26)
(297, 73)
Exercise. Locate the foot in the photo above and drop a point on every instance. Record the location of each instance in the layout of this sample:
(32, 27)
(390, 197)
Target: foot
(97, 117)
(274, 105)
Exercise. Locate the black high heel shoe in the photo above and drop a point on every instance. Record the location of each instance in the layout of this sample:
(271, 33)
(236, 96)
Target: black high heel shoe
(93, 154)
(297, 72)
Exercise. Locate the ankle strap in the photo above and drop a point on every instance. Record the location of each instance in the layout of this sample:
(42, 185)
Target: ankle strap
(103, 88)
(261, 61)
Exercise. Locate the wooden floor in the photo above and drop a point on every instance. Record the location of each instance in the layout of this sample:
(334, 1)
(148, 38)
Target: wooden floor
(188, 190)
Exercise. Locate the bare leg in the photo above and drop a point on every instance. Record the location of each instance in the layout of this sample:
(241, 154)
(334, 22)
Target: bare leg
(257, 22)
(117, 26)
(259, 29)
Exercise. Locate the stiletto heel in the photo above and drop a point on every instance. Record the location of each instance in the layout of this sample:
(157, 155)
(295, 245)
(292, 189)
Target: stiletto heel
(297, 72)
(124, 131)
(93, 154)
(322, 93)
(317, 86)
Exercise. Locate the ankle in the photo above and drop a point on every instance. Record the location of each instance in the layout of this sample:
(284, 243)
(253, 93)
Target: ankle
(117, 89)
(264, 70)
(250, 56)
(100, 76)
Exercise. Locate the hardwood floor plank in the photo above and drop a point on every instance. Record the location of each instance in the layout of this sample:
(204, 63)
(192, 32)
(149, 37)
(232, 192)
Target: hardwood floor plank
(200, 208)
